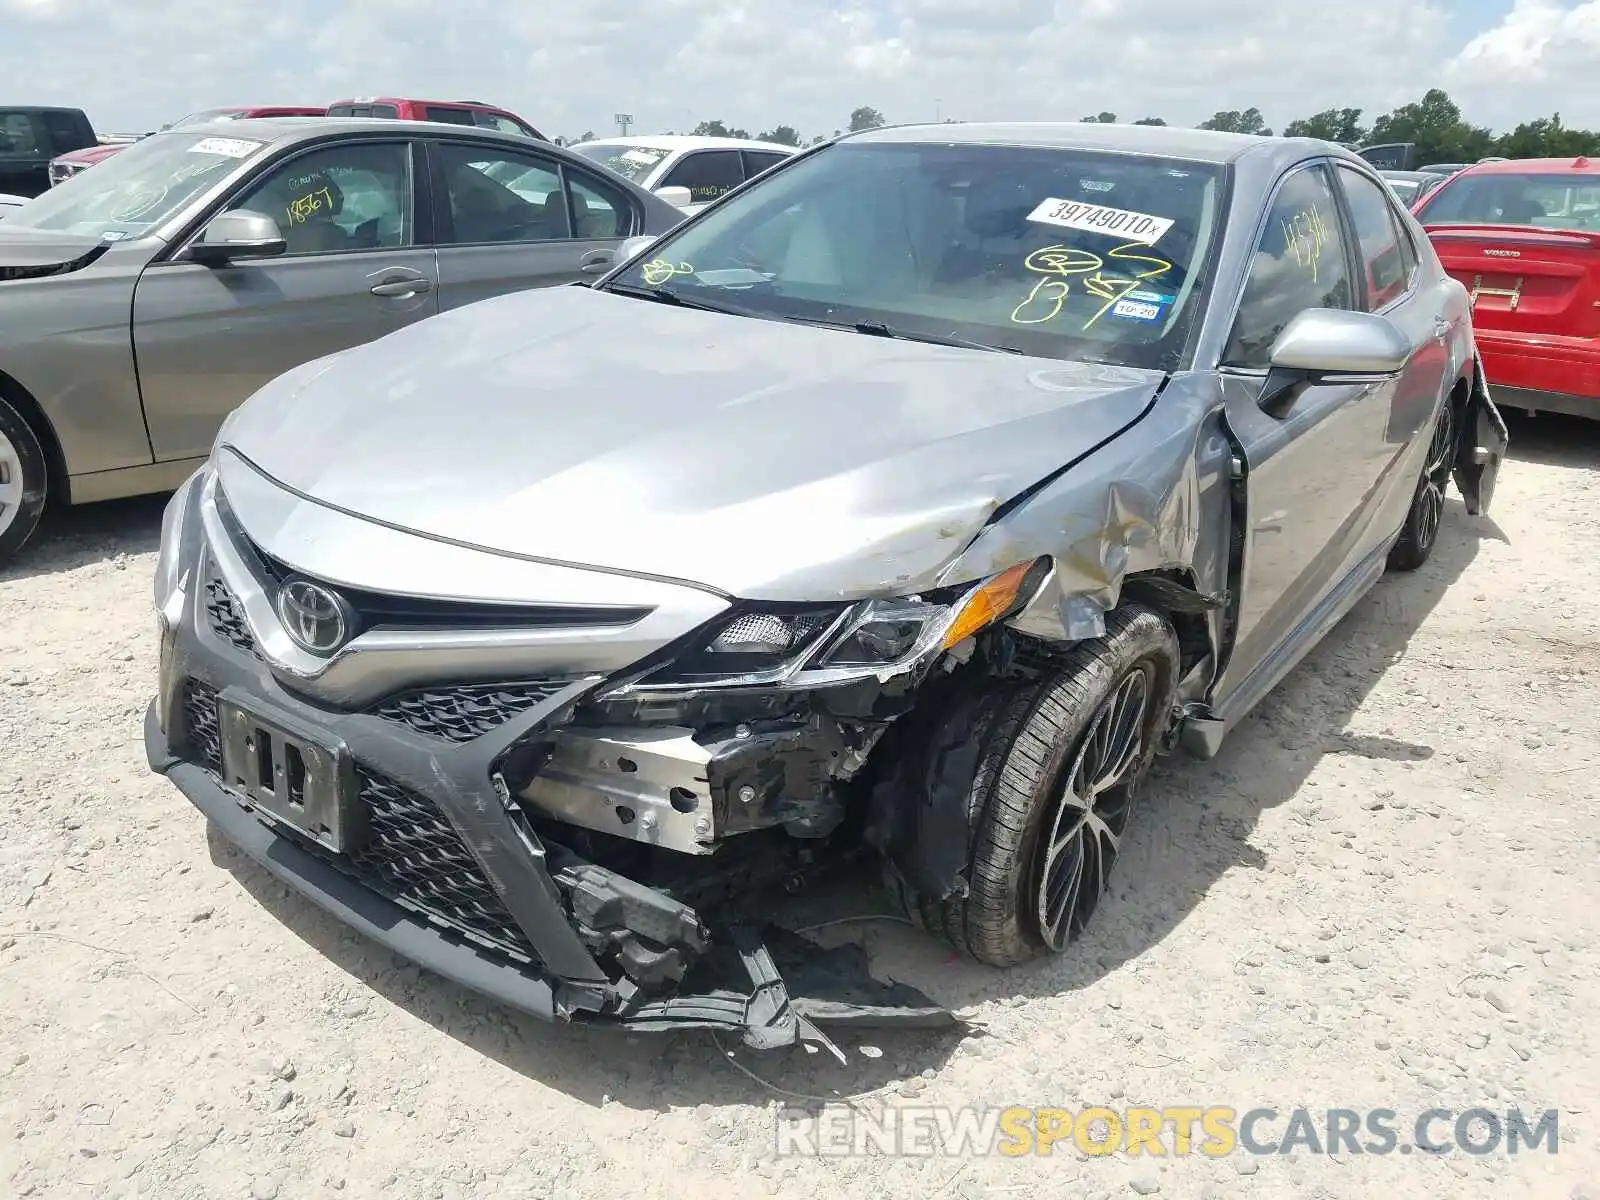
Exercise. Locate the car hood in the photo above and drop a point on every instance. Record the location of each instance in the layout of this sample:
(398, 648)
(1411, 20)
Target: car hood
(29, 253)
(763, 459)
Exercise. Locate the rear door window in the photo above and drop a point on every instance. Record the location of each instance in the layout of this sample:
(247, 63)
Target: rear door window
(495, 195)
(1383, 243)
(707, 174)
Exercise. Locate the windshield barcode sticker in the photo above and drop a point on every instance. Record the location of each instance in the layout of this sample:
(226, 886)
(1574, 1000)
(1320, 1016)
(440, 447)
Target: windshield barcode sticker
(1097, 218)
(227, 147)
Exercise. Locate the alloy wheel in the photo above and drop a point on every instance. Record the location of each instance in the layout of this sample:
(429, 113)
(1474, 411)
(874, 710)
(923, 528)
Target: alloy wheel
(1435, 477)
(10, 482)
(1091, 811)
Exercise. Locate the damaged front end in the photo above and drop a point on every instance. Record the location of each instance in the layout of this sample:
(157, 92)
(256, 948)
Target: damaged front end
(734, 764)
(594, 847)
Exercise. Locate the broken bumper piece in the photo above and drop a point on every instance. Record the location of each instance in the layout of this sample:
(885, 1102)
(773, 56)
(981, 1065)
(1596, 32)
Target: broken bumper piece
(773, 987)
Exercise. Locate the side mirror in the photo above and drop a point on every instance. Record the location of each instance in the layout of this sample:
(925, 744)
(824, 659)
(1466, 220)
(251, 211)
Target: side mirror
(1327, 344)
(235, 234)
(632, 247)
(678, 197)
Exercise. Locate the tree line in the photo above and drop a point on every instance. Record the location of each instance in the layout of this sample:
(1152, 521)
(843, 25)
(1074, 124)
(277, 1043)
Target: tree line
(1434, 124)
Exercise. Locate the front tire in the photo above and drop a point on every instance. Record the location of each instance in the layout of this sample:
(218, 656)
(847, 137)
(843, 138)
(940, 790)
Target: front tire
(1062, 758)
(22, 481)
(1421, 530)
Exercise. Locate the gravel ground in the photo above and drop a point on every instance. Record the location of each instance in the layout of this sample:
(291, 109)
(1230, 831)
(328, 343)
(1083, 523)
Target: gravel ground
(1383, 894)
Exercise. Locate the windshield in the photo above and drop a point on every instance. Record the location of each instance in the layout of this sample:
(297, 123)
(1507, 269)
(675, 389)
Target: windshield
(1058, 253)
(1405, 189)
(137, 189)
(1551, 201)
(209, 114)
(631, 162)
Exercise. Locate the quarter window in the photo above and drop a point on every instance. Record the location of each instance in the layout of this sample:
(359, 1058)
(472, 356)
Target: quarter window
(1383, 243)
(757, 161)
(707, 174)
(339, 199)
(598, 211)
(494, 196)
(1299, 263)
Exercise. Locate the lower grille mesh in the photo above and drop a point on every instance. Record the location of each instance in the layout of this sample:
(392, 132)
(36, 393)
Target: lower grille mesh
(412, 854)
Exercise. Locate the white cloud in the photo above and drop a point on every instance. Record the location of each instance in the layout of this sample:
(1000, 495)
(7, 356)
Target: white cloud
(756, 63)
(1541, 58)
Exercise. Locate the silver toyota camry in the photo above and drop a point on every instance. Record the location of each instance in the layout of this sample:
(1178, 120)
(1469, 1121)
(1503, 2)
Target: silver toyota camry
(901, 505)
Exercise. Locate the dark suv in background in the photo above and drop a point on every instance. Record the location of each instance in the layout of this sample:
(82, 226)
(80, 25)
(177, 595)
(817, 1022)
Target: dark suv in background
(30, 137)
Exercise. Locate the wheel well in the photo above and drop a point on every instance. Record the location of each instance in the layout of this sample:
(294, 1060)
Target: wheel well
(14, 394)
(1162, 591)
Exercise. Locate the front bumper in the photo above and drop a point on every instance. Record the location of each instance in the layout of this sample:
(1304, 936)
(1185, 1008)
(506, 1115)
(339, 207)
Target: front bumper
(338, 894)
(449, 872)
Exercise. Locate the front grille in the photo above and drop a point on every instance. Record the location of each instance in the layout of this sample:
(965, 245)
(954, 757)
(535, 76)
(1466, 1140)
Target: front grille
(227, 618)
(412, 854)
(203, 733)
(460, 714)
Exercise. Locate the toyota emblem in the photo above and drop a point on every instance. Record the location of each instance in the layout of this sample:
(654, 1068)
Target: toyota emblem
(319, 621)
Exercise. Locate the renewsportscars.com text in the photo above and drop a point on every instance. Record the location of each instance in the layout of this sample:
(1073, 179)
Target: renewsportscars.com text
(1176, 1130)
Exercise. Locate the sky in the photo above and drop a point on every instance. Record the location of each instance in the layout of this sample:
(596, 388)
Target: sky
(569, 68)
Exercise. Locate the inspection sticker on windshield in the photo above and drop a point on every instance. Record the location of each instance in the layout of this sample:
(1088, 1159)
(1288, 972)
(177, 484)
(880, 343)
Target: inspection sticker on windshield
(1138, 310)
(227, 147)
(1097, 218)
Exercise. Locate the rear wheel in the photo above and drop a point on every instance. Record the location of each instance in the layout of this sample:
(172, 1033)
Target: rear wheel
(22, 481)
(1421, 529)
(1062, 760)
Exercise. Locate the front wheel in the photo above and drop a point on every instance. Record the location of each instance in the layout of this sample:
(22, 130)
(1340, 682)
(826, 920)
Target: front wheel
(1063, 758)
(22, 481)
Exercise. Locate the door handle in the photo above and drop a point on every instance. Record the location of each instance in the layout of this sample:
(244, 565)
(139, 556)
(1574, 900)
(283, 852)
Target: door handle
(400, 287)
(597, 263)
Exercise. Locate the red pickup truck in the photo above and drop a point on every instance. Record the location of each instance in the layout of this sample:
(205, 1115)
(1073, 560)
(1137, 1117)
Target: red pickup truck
(453, 112)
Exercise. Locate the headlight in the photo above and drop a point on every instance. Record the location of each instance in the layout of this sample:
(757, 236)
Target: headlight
(813, 645)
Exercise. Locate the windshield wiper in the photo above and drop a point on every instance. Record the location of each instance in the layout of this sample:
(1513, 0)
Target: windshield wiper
(664, 295)
(879, 329)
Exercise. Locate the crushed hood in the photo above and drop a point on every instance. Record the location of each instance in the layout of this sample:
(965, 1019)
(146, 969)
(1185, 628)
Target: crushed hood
(33, 253)
(763, 459)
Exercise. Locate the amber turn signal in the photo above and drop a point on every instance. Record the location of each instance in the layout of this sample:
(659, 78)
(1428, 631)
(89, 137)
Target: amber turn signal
(993, 599)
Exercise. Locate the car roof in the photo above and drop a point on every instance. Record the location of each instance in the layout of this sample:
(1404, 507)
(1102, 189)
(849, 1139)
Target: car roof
(1163, 141)
(690, 141)
(292, 129)
(1580, 165)
(418, 100)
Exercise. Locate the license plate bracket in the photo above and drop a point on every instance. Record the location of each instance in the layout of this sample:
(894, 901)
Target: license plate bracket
(294, 774)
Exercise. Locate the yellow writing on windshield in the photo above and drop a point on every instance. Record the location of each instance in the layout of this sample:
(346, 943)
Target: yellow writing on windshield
(1305, 234)
(659, 270)
(1059, 264)
(301, 207)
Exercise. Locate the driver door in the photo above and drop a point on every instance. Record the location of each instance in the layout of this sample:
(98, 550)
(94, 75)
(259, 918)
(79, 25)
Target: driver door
(1313, 467)
(207, 337)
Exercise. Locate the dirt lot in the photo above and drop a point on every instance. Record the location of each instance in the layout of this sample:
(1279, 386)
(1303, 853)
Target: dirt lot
(1385, 893)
